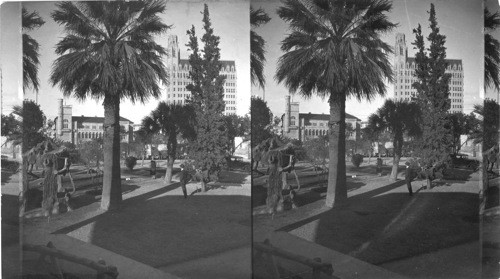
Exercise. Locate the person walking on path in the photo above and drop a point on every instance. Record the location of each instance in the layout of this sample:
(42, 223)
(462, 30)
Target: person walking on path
(408, 178)
(185, 177)
(152, 170)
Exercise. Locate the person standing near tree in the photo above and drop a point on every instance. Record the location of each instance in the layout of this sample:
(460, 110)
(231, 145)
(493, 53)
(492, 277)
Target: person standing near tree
(185, 177)
(408, 178)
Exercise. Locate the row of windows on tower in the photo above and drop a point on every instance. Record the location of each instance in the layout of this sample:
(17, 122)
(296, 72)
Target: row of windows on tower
(229, 76)
(179, 95)
(180, 83)
(412, 67)
(230, 108)
(229, 96)
(178, 102)
(412, 80)
(412, 73)
(187, 68)
(184, 89)
(413, 94)
(456, 106)
(453, 88)
(186, 82)
(182, 75)
(405, 93)
(180, 89)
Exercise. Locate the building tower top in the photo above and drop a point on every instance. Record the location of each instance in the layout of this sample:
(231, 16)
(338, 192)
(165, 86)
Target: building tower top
(173, 51)
(400, 49)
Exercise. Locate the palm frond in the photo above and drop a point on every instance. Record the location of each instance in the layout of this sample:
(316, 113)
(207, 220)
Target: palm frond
(109, 48)
(31, 62)
(257, 47)
(31, 20)
(335, 46)
(491, 50)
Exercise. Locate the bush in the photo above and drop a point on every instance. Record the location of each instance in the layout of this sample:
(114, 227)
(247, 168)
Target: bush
(356, 160)
(130, 162)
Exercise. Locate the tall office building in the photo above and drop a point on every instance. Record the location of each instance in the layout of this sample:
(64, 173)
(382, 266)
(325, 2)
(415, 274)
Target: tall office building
(404, 70)
(179, 77)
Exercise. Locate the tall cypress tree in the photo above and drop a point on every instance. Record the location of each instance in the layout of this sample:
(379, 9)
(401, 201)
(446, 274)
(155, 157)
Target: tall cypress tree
(207, 92)
(432, 95)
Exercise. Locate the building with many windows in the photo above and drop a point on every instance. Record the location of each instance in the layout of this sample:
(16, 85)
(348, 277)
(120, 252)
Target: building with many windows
(305, 126)
(404, 70)
(179, 77)
(77, 129)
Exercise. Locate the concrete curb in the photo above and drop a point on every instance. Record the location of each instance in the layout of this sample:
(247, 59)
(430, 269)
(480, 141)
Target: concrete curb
(127, 268)
(344, 266)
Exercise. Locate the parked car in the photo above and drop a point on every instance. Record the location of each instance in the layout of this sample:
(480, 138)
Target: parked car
(462, 161)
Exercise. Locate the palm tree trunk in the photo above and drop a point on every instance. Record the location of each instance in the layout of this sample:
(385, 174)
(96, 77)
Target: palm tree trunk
(398, 142)
(111, 190)
(23, 184)
(172, 149)
(337, 191)
(49, 202)
(143, 155)
(274, 200)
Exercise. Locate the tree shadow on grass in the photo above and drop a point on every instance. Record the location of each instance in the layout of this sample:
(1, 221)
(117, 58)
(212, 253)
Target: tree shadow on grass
(309, 192)
(162, 230)
(380, 228)
(126, 203)
(492, 197)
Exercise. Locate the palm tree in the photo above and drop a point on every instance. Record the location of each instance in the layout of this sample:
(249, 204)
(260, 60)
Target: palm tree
(30, 21)
(486, 130)
(109, 53)
(491, 50)
(399, 118)
(171, 121)
(334, 50)
(257, 45)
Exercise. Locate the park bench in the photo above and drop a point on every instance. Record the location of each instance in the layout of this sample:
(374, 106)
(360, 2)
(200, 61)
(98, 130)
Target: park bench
(269, 253)
(53, 267)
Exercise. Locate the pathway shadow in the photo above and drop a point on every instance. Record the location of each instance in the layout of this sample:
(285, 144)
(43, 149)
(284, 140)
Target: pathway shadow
(379, 228)
(126, 203)
(492, 197)
(10, 221)
(309, 192)
(164, 230)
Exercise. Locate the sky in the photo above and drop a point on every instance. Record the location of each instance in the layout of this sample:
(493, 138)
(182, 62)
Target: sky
(230, 20)
(461, 21)
(10, 56)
